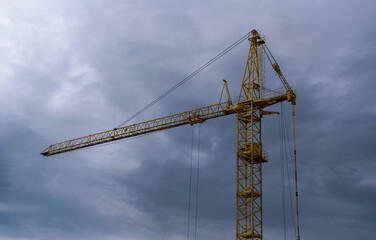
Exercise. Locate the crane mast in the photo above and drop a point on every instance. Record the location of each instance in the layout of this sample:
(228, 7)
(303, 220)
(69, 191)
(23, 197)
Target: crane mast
(250, 154)
(249, 150)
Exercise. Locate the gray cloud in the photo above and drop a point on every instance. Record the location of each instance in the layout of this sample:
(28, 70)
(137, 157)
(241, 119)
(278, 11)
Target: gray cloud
(72, 68)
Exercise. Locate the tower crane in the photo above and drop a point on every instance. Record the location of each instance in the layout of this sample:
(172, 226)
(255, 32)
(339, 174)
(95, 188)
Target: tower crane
(250, 156)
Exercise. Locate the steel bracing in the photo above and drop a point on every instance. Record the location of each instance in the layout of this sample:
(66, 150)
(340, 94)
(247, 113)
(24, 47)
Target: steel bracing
(249, 150)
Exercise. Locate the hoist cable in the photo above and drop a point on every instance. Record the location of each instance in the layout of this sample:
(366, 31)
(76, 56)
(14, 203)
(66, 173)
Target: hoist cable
(185, 79)
(286, 141)
(289, 156)
(296, 176)
(190, 185)
(282, 177)
(198, 171)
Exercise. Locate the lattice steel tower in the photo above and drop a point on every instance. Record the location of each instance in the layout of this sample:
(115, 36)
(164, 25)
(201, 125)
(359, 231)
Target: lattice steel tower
(249, 149)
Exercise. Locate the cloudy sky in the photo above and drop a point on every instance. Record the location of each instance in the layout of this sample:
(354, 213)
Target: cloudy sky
(71, 68)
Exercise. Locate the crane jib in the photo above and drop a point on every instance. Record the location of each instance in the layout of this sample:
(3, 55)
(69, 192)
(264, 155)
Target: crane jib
(188, 117)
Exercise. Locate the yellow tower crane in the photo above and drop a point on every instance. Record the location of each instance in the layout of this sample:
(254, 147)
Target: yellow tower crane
(250, 155)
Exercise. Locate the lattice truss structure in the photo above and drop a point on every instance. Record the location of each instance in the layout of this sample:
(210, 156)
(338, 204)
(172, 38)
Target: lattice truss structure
(249, 148)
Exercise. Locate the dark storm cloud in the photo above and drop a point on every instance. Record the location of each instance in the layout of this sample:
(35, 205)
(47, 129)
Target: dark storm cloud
(74, 68)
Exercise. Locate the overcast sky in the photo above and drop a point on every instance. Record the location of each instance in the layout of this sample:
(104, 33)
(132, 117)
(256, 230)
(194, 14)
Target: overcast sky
(71, 68)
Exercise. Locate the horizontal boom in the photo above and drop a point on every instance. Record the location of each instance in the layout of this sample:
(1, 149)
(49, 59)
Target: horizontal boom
(188, 117)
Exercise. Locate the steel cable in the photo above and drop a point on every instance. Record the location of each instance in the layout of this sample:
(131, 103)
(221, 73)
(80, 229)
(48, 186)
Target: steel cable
(286, 146)
(197, 179)
(185, 79)
(190, 184)
(282, 176)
